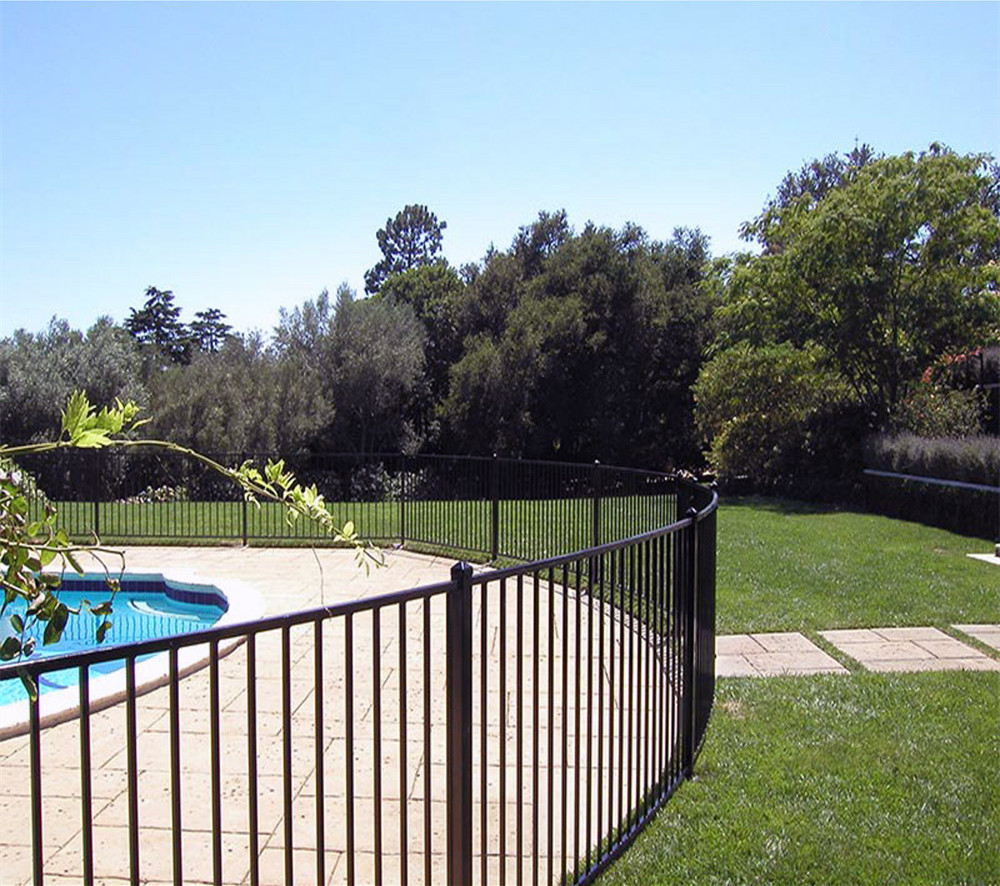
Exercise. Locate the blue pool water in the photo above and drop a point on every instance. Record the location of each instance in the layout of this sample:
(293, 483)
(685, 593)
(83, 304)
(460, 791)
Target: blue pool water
(146, 607)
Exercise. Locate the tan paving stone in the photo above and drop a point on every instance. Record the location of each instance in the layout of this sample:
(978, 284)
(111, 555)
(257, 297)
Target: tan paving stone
(771, 654)
(940, 664)
(988, 633)
(776, 663)
(909, 633)
(784, 642)
(911, 649)
(946, 647)
(736, 644)
(883, 650)
(734, 666)
(851, 635)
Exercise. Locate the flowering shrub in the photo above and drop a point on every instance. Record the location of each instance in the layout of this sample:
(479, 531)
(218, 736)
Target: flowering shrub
(932, 410)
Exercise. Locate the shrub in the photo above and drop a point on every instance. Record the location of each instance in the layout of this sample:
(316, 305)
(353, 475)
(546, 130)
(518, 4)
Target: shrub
(935, 411)
(966, 459)
(755, 404)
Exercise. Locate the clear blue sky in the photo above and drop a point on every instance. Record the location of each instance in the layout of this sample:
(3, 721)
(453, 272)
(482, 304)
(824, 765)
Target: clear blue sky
(243, 155)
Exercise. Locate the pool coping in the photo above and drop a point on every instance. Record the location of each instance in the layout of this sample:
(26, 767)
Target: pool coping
(244, 603)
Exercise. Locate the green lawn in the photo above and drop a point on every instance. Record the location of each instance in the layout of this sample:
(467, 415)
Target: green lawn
(866, 779)
(788, 566)
(860, 779)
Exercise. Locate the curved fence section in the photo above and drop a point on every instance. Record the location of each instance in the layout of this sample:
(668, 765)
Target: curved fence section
(520, 722)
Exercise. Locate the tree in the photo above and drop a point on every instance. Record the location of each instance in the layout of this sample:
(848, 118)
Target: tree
(304, 353)
(411, 239)
(209, 331)
(582, 346)
(895, 264)
(39, 371)
(377, 374)
(806, 187)
(437, 295)
(158, 323)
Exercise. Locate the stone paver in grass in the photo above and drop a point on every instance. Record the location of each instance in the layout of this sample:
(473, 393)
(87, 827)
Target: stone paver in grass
(764, 655)
(908, 649)
(988, 634)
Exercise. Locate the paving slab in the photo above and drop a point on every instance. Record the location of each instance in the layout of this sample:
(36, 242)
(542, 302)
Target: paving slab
(908, 649)
(772, 654)
(988, 634)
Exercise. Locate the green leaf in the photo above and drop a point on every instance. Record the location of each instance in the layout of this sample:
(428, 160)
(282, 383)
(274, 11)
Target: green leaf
(74, 563)
(94, 438)
(10, 648)
(102, 630)
(42, 606)
(17, 623)
(54, 629)
(75, 414)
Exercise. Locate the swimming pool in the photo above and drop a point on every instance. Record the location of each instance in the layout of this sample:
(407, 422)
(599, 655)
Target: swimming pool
(148, 606)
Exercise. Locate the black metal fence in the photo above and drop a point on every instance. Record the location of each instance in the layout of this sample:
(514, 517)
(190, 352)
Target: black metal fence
(516, 724)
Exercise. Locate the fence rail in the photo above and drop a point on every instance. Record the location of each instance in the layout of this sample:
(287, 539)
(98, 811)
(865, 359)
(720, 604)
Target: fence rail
(521, 723)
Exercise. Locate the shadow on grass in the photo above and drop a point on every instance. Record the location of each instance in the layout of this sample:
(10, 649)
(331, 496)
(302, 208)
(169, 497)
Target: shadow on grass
(789, 506)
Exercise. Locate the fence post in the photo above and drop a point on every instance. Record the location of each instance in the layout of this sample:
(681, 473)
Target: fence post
(495, 509)
(683, 498)
(690, 631)
(402, 500)
(244, 520)
(98, 458)
(459, 714)
(595, 483)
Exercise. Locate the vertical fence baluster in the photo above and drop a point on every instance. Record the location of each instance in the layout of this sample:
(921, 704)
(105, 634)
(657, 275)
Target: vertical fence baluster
(86, 799)
(216, 761)
(519, 694)
(551, 706)
(252, 816)
(35, 754)
(459, 666)
(483, 730)
(534, 728)
(565, 715)
(131, 737)
(403, 836)
(318, 750)
(427, 741)
(175, 768)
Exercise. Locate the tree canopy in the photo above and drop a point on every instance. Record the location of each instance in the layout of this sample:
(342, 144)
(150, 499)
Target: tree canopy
(893, 265)
(411, 239)
(209, 331)
(158, 323)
